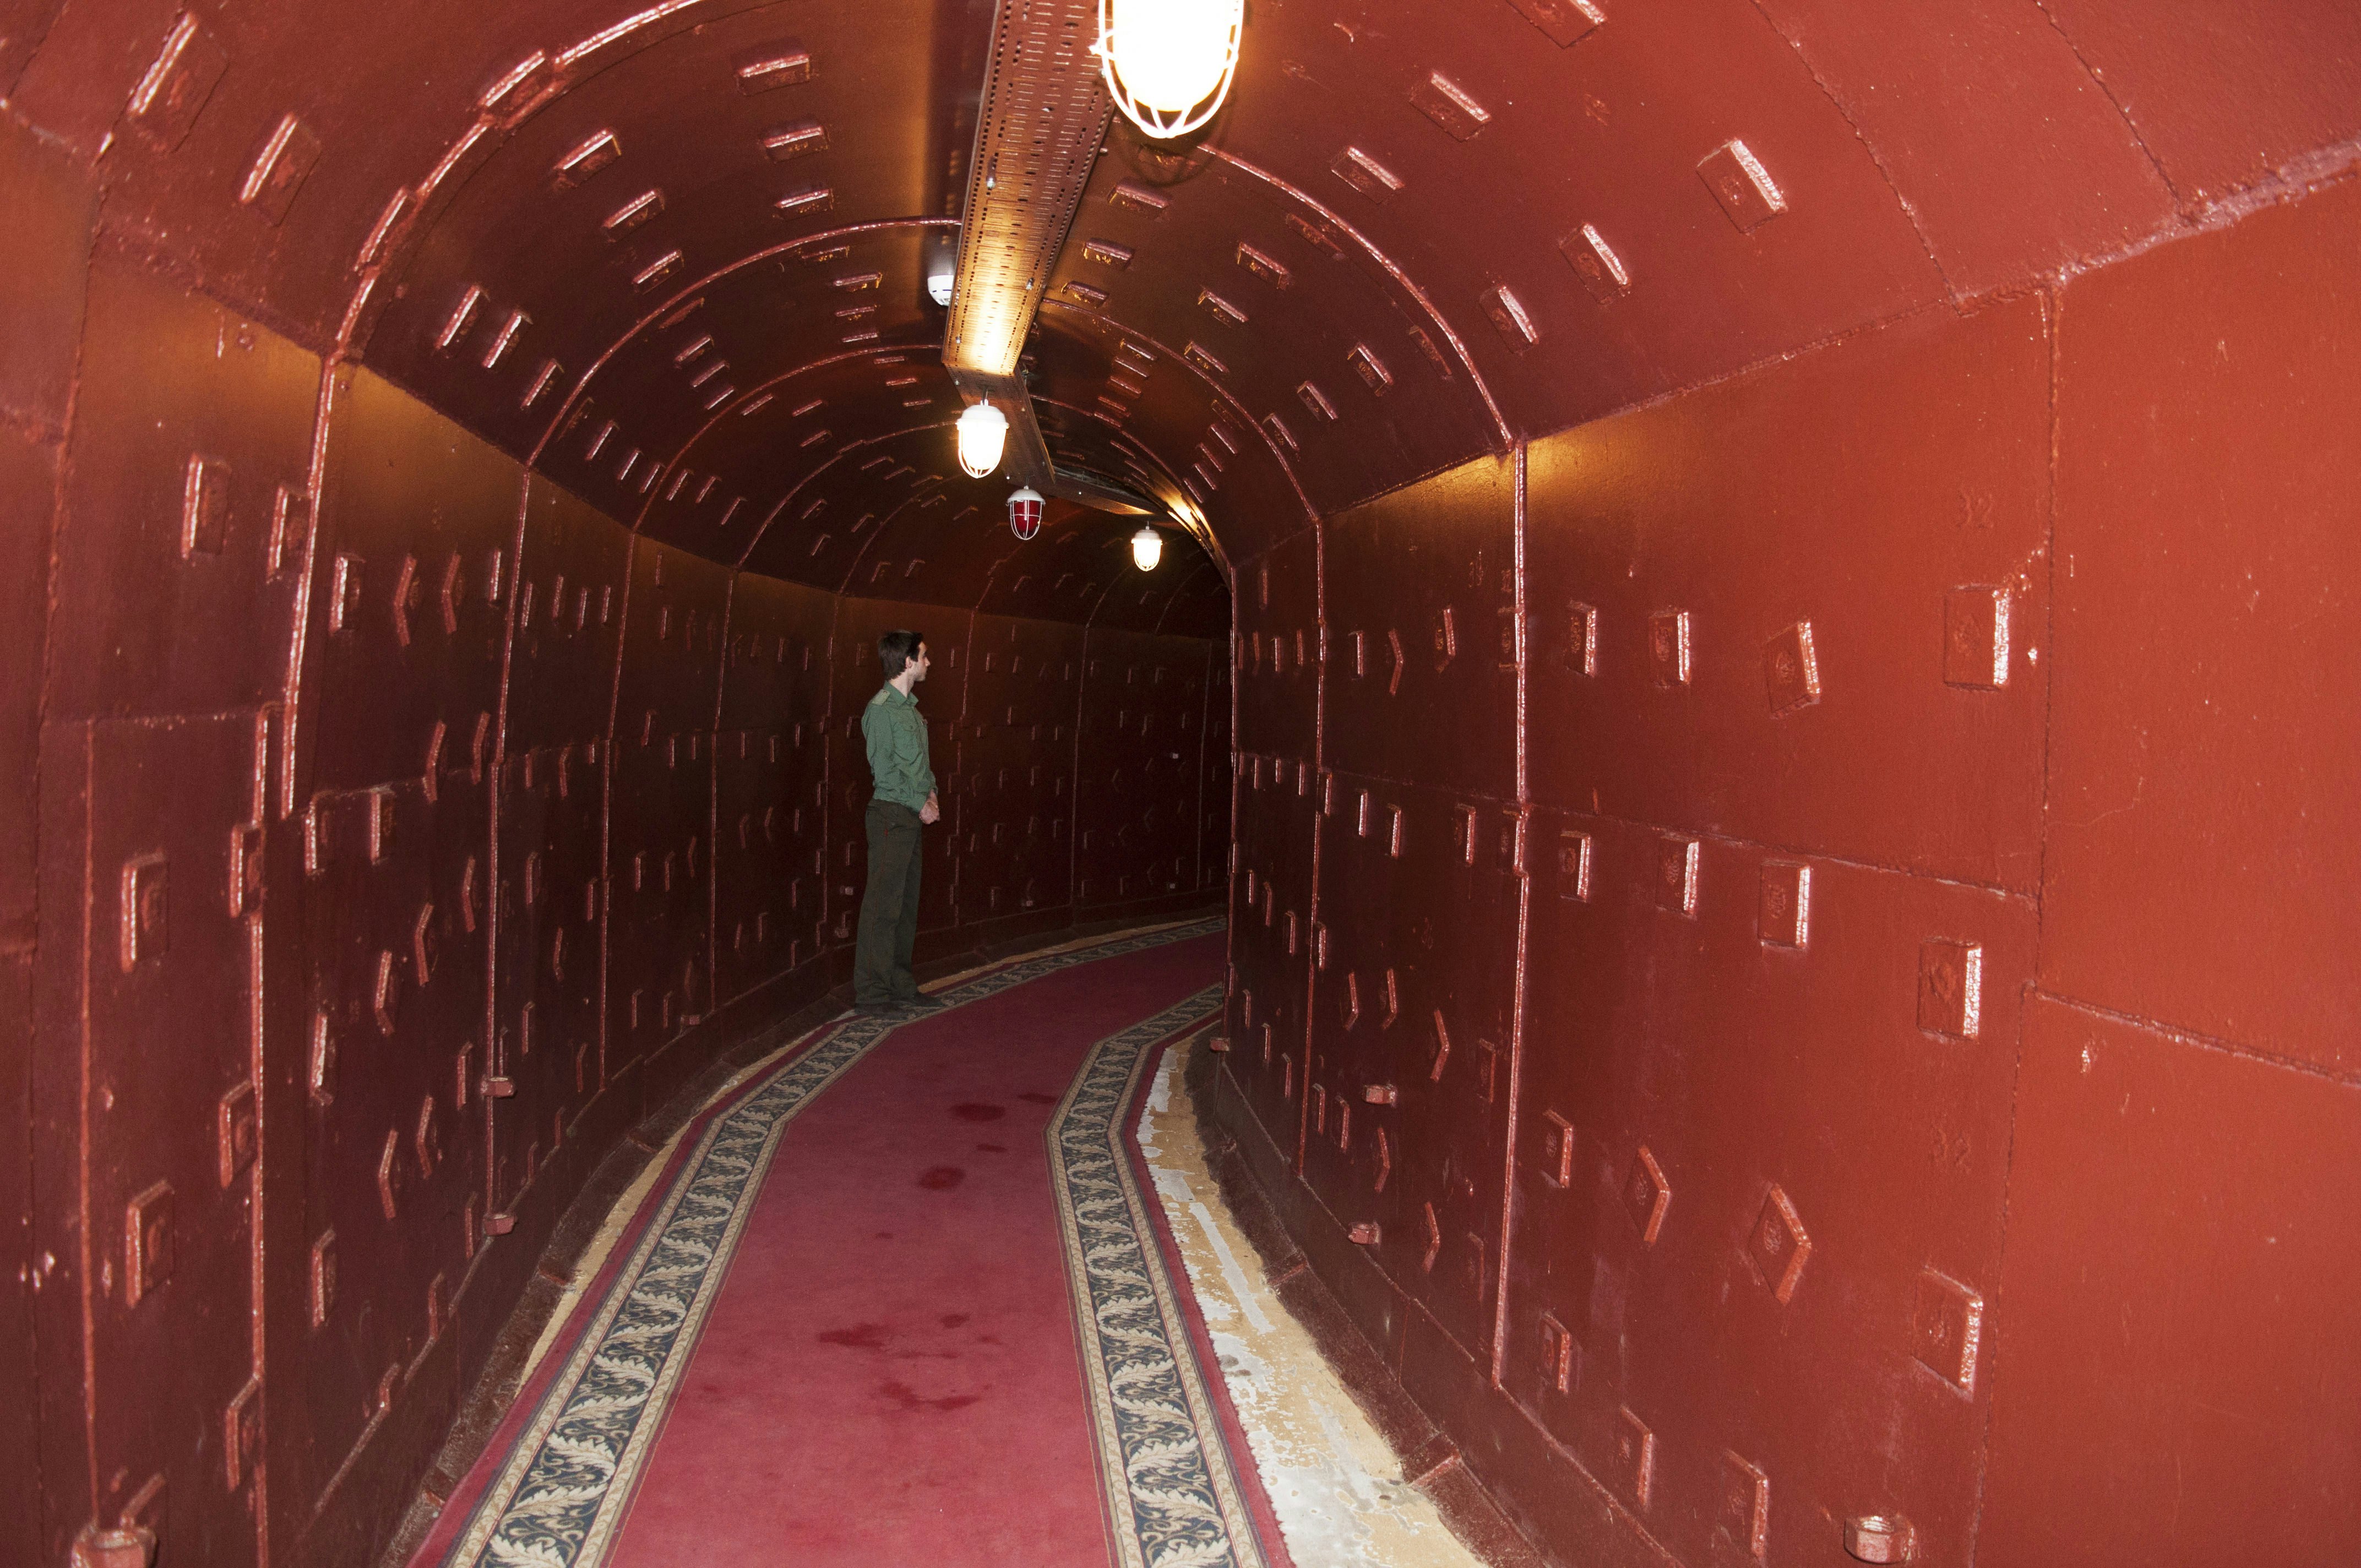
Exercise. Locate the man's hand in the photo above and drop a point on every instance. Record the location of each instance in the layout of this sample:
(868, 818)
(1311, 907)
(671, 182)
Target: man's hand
(932, 811)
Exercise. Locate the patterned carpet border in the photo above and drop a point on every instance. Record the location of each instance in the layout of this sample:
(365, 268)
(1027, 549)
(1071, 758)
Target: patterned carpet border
(560, 1496)
(1172, 1494)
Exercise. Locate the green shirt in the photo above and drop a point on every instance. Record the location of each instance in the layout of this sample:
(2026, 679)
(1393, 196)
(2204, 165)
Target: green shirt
(897, 748)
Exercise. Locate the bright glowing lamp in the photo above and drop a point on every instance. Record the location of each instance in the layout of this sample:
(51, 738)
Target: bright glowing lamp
(983, 433)
(1146, 548)
(1169, 64)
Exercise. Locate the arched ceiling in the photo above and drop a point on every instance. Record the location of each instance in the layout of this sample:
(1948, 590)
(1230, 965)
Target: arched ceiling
(676, 255)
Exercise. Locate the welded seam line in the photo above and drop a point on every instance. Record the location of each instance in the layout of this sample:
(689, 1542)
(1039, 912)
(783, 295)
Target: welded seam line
(1517, 997)
(1918, 229)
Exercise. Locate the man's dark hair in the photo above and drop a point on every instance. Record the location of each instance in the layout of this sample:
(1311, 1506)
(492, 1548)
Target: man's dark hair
(896, 649)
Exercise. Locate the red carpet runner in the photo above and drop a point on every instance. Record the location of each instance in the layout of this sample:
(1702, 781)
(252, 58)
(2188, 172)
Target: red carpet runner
(900, 1301)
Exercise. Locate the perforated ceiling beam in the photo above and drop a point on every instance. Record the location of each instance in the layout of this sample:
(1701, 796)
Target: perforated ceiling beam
(1039, 130)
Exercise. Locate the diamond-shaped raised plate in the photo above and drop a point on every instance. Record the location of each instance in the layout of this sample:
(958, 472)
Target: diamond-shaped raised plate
(1778, 1247)
(1647, 1196)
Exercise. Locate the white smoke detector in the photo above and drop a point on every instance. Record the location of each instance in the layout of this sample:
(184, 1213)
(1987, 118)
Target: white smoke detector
(938, 288)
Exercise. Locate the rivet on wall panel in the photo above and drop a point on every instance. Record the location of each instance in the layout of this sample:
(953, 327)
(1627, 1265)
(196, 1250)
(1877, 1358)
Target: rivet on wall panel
(775, 65)
(1595, 262)
(639, 209)
(237, 1128)
(389, 1172)
(322, 1073)
(1574, 866)
(242, 1434)
(1784, 916)
(1676, 875)
(1557, 1356)
(593, 154)
(1139, 198)
(1440, 1047)
(1647, 1196)
(1370, 368)
(1668, 647)
(1364, 1233)
(795, 140)
(427, 1138)
(246, 873)
(1555, 1158)
(279, 168)
(1509, 317)
(541, 383)
(204, 506)
(1635, 1458)
(1743, 1517)
(1581, 651)
(1382, 1162)
(1269, 268)
(1432, 1248)
(462, 316)
(1744, 187)
(1976, 637)
(323, 1277)
(808, 202)
(148, 1242)
(144, 932)
(1220, 309)
(177, 84)
(1790, 672)
(1565, 21)
(1950, 987)
(1778, 1247)
(1106, 253)
(1449, 105)
(657, 271)
(1946, 1329)
(387, 992)
(1364, 174)
(290, 517)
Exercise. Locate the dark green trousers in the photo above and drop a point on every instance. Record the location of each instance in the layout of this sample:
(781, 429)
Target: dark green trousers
(889, 907)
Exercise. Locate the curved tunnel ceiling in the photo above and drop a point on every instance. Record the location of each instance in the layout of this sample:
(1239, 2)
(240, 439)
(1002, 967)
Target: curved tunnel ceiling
(678, 256)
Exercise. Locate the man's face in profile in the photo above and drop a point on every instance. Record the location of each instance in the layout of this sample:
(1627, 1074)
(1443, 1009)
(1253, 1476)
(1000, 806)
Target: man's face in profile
(918, 665)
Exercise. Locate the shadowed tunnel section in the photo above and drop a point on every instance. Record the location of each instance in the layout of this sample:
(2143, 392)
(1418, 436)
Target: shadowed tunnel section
(1790, 840)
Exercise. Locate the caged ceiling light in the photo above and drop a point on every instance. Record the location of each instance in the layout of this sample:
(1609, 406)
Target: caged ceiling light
(1169, 64)
(1146, 548)
(1025, 512)
(983, 433)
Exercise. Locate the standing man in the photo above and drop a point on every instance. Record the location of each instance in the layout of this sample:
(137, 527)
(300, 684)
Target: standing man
(896, 737)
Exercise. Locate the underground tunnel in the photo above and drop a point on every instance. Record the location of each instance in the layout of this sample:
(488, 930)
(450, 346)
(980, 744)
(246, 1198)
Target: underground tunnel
(1696, 653)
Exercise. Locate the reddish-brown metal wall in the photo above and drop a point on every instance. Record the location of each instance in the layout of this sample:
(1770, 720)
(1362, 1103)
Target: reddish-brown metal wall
(1626, 426)
(389, 830)
(1879, 920)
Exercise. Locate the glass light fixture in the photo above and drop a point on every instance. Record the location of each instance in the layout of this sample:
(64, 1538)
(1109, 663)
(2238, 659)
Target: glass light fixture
(1169, 64)
(1025, 512)
(1146, 548)
(983, 433)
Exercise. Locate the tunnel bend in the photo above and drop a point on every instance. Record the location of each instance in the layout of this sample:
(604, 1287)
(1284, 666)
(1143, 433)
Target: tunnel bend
(1734, 533)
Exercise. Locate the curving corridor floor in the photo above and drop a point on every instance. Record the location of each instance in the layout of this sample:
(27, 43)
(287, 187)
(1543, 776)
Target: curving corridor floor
(1679, 664)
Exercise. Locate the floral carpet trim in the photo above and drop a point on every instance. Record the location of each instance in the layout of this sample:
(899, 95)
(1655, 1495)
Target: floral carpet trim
(559, 1497)
(1172, 1495)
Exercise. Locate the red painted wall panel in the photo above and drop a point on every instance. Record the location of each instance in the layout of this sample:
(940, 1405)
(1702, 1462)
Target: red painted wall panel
(2199, 843)
(2178, 1210)
(1745, 599)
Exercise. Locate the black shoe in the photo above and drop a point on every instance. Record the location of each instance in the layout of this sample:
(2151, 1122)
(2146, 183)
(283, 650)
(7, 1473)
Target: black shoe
(919, 1005)
(881, 1010)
